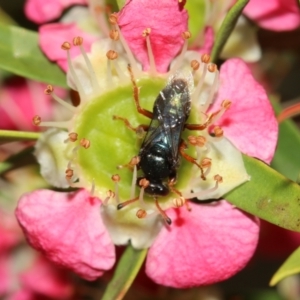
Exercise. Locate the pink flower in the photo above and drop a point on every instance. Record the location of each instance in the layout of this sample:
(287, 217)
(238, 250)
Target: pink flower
(20, 100)
(165, 43)
(52, 35)
(57, 234)
(277, 15)
(40, 12)
(53, 282)
(207, 244)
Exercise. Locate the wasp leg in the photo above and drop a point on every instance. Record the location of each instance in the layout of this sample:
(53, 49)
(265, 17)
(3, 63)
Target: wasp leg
(138, 130)
(163, 213)
(182, 148)
(136, 97)
(125, 203)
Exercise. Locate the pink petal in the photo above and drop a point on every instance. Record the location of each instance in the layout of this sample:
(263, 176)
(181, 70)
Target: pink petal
(20, 100)
(250, 123)
(167, 20)
(24, 295)
(40, 11)
(208, 244)
(53, 282)
(68, 230)
(52, 36)
(277, 15)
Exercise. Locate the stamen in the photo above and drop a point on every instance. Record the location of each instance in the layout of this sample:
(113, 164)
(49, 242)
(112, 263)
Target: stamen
(205, 58)
(200, 194)
(185, 35)
(85, 143)
(152, 66)
(112, 56)
(163, 213)
(214, 117)
(206, 164)
(212, 67)
(179, 202)
(77, 41)
(195, 65)
(141, 214)
(196, 93)
(75, 149)
(143, 183)
(226, 104)
(37, 121)
(213, 89)
(218, 178)
(92, 188)
(67, 46)
(69, 174)
(110, 194)
(50, 91)
(133, 162)
(116, 178)
(113, 18)
(99, 13)
(72, 137)
(218, 131)
(109, 73)
(133, 182)
(198, 141)
(114, 34)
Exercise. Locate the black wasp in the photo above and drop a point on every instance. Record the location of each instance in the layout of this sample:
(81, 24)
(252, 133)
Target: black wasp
(159, 153)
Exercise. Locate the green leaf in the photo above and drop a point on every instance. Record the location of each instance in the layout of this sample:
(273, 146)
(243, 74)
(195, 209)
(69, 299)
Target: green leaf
(262, 294)
(7, 136)
(286, 159)
(126, 271)
(268, 195)
(227, 27)
(5, 18)
(290, 267)
(20, 54)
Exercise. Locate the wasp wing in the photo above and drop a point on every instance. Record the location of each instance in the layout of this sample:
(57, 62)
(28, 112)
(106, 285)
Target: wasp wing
(170, 112)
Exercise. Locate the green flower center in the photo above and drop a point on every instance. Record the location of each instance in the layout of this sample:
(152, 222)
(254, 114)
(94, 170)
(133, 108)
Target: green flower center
(113, 144)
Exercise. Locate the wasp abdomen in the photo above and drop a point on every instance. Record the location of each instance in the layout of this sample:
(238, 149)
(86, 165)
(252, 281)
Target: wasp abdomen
(155, 162)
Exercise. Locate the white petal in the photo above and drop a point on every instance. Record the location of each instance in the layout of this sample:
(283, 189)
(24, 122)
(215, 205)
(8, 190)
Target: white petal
(124, 226)
(98, 59)
(227, 161)
(49, 151)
